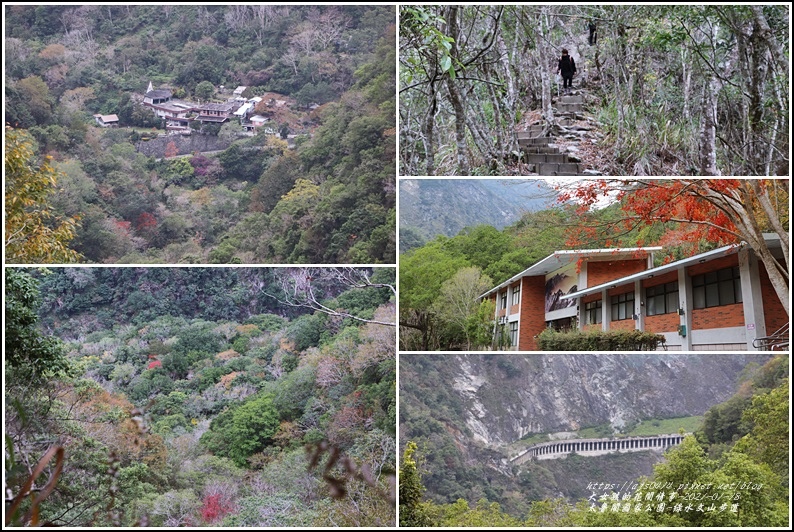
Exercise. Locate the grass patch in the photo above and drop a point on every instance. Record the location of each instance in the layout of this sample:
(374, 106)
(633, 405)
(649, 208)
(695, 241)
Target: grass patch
(533, 438)
(653, 427)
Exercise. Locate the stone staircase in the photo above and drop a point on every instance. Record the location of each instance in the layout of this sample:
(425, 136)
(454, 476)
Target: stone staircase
(543, 158)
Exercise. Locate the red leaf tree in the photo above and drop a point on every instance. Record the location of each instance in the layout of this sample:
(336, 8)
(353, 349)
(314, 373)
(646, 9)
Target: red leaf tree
(145, 222)
(717, 211)
(171, 150)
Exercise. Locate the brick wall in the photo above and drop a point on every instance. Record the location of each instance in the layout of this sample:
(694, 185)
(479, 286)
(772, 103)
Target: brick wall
(722, 316)
(622, 325)
(713, 265)
(662, 322)
(533, 312)
(599, 272)
(718, 317)
(775, 315)
(665, 278)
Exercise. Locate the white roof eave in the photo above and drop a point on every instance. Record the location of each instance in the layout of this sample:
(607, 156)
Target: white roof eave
(562, 258)
(725, 250)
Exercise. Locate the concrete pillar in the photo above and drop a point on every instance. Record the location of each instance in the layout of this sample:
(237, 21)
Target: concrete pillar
(752, 301)
(685, 302)
(606, 310)
(639, 323)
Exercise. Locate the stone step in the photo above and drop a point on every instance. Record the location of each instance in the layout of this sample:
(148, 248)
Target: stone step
(570, 168)
(558, 169)
(534, 142)
(569, 107)
(572, 99)
(541, 149)
(547, 158)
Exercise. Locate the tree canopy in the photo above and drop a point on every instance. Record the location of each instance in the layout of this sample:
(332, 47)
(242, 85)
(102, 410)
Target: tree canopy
(33, 232)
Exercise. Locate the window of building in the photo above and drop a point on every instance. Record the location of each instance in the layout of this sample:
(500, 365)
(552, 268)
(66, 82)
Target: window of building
(714, 289)
(504, 299)
(661, 299)
(623, 306)
(516, 294)
(592, 312)
(513, 333)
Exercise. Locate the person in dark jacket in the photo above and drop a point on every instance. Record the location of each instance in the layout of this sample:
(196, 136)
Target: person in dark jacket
(566, 67)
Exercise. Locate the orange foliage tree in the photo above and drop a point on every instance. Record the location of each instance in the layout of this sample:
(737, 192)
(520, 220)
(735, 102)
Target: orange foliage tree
(717, 211)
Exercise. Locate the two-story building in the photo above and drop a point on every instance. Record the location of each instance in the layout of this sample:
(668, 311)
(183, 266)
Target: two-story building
(718, 300)
(216, 113)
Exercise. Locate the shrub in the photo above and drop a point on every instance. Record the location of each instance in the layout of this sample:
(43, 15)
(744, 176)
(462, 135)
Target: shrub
(551, 340)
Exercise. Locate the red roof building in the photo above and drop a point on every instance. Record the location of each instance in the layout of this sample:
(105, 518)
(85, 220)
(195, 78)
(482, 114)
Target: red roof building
(719, 300)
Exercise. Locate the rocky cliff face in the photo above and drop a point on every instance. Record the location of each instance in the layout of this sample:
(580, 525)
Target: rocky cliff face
(445, 206)
(501, 398)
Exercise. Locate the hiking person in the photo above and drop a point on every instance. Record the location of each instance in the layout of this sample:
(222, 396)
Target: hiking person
(567, 67)
(591, 39)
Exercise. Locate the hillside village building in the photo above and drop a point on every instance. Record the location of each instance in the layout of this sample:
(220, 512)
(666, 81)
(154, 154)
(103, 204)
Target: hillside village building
(719, 300)
(179, 114)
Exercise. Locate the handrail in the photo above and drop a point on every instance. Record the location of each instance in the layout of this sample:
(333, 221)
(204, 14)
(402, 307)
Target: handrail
(776, 341)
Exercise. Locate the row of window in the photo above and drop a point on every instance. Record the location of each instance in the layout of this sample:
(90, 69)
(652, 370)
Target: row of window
(516, 297)
(713, 289)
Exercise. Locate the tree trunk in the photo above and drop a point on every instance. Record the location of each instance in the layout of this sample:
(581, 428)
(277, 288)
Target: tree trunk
(429, 132)
(708, 126)
(543, 58)
(454, 97)
(708, 129)
(687, 79)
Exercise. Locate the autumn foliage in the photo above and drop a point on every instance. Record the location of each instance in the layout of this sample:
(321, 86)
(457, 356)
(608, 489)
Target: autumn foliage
(171, 150)
(214, 507)
(690, 211)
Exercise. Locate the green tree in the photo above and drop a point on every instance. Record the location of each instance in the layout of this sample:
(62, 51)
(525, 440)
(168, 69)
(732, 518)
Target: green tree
(768, 440)
(484, 514)
(457, 303)
(204, 91)
(33, 233)
(413, 512)
(29, 355)
(253, 424)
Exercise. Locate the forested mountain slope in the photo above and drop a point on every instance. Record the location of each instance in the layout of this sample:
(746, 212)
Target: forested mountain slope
(462, 411)
(327, 198)
(189, 398)
(658, 90)
(431, 207)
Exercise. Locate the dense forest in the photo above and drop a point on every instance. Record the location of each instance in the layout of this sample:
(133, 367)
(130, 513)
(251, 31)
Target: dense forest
(200, 396)
(733, 471)
(315, 186)
(657, 90)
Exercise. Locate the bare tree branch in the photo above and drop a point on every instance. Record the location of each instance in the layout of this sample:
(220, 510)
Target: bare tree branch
(300, 287)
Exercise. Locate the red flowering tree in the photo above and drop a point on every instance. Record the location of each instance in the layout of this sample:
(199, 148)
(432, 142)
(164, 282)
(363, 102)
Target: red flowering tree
(145, 222)
(154, 364)
(717, 211)
(213, 508)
